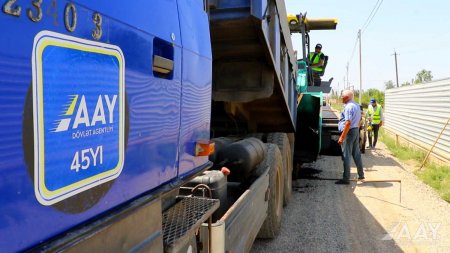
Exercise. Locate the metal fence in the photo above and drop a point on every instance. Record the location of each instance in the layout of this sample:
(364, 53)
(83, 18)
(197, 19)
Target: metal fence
(418, 113)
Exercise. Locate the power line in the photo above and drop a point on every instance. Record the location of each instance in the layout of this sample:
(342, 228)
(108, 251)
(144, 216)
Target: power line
(351, 57)
(354, 48)
(360, 67)
(372, 14)
(366, 24)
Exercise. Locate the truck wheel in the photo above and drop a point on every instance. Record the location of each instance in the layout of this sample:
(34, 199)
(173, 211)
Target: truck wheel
(282, 141)
(272, 224)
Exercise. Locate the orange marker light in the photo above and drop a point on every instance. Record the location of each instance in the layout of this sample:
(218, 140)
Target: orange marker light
(204, 148)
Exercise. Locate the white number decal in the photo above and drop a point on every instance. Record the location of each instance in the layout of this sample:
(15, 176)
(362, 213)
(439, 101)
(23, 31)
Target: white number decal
(75, 163)
(86, 156)
(70, 17)
(10, 8)
(97, 32)
(35, 18)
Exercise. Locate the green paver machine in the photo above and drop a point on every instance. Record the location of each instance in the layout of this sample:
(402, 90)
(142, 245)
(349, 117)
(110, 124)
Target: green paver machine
(316, 124)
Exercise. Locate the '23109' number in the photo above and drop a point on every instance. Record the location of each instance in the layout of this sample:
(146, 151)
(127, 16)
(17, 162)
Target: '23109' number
(70, 15)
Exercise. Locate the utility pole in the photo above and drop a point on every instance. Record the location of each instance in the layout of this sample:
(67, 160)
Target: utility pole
(337, 91)
(396, 70)
(345, 86)
(347, 75)
(360, 67)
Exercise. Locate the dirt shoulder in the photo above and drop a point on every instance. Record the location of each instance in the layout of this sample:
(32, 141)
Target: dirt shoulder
(362, 217)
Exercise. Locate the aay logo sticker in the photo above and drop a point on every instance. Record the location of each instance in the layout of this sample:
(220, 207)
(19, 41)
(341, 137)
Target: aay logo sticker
(82, 113)
(78, 114)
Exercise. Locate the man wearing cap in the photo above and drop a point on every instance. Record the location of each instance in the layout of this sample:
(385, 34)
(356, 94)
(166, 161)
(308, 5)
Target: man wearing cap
(349, 139)
(375, 113)
(316, 60)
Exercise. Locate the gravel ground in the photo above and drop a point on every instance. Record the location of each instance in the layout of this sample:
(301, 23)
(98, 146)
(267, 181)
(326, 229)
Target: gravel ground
(362, 217)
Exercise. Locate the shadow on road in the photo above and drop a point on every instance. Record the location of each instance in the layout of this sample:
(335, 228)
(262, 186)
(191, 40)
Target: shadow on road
(325, 217)
(374, 158)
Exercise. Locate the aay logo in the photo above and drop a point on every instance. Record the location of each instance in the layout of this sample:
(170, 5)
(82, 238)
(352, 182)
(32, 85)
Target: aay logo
(83, 114)
(78, 114)
(424, 231)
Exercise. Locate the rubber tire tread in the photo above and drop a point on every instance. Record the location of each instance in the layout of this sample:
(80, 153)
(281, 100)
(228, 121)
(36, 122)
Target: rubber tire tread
(282, 141)
(272, 224)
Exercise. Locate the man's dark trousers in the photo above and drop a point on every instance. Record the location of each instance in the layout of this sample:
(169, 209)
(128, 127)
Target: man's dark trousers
(374, 133)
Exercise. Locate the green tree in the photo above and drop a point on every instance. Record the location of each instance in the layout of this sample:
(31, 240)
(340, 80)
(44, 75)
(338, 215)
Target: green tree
(373, 93)
(389, 84)
(366, 97)
(423, 76)
(405, 84)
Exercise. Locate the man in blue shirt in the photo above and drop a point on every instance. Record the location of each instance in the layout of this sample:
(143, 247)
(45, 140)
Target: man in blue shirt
(349, 139)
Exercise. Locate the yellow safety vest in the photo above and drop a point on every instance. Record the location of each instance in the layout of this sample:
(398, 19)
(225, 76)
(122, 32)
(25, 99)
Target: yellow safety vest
(376, 116)
(315, 61)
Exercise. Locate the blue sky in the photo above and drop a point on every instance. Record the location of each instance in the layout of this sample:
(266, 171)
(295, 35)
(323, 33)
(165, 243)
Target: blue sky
(418, 30)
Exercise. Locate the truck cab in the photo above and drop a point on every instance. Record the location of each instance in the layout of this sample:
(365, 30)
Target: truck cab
(111, 108)
(103, 107)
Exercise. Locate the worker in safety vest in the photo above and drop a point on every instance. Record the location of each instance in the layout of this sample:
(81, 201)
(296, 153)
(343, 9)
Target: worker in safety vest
(375, 117)
(316, 59)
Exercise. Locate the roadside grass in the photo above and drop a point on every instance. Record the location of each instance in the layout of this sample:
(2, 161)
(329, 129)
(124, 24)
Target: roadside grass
(337, 106)
(436, 176)
(401, 152)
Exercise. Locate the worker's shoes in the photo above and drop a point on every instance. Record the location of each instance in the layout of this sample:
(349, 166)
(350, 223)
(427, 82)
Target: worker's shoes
(361, 178)
(342, 181)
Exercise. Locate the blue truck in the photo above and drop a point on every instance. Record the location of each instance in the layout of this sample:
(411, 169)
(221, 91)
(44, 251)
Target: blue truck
(144, 126)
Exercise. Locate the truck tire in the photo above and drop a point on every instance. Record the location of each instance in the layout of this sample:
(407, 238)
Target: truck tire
(282, 141)
(272, 223)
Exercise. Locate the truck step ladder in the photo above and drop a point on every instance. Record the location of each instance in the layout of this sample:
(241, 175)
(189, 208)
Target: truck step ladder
(181, 221)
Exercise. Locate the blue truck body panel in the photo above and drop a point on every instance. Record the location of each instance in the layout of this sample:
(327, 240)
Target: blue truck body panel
(163, 116)
(196, 78)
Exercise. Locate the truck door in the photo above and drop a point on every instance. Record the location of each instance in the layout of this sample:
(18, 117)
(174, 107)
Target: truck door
(90, 99)
(196, 87)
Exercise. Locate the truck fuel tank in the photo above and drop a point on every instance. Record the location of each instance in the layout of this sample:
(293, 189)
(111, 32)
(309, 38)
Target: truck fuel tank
(242, 157)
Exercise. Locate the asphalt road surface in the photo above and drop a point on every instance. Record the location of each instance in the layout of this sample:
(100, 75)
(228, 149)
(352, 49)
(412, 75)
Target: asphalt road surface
(363, 216)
